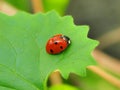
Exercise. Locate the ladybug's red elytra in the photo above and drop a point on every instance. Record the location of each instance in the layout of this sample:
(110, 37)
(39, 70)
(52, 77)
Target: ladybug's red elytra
(57, 44)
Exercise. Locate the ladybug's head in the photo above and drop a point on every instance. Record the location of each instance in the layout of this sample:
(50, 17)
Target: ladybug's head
(66, 38)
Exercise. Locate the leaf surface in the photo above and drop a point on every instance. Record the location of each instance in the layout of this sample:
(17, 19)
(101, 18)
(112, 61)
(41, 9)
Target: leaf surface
(23, 58)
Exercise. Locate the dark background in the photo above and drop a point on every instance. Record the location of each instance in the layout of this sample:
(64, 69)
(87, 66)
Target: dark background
(103, 16)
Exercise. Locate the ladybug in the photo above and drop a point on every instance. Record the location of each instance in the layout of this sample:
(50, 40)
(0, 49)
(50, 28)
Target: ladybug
(57, 44)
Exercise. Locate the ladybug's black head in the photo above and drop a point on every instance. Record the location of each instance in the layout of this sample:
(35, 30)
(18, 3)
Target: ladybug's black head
(66, 38)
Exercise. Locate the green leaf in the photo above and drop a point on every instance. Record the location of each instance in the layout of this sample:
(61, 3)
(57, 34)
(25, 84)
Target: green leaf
(59, 5)
(5, 88)
(24, 63)
(63, 87)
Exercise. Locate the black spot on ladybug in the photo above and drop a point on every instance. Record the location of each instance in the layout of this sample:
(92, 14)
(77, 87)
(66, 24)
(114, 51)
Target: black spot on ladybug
(51, 50)
(55, 43)
(61, 47)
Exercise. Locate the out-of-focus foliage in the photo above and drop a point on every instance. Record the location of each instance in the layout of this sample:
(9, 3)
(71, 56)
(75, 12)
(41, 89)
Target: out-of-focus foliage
(62, 87)
(26, 5)
(58, 5)
(94, 82)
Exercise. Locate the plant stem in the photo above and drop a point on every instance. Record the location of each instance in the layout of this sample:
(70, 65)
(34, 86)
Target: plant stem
(109, 38)
(37, 6)
(106, 61)
(55, 78)
(113, 80)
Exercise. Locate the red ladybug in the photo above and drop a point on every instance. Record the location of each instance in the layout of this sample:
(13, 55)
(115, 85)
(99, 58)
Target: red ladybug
(57, 44)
